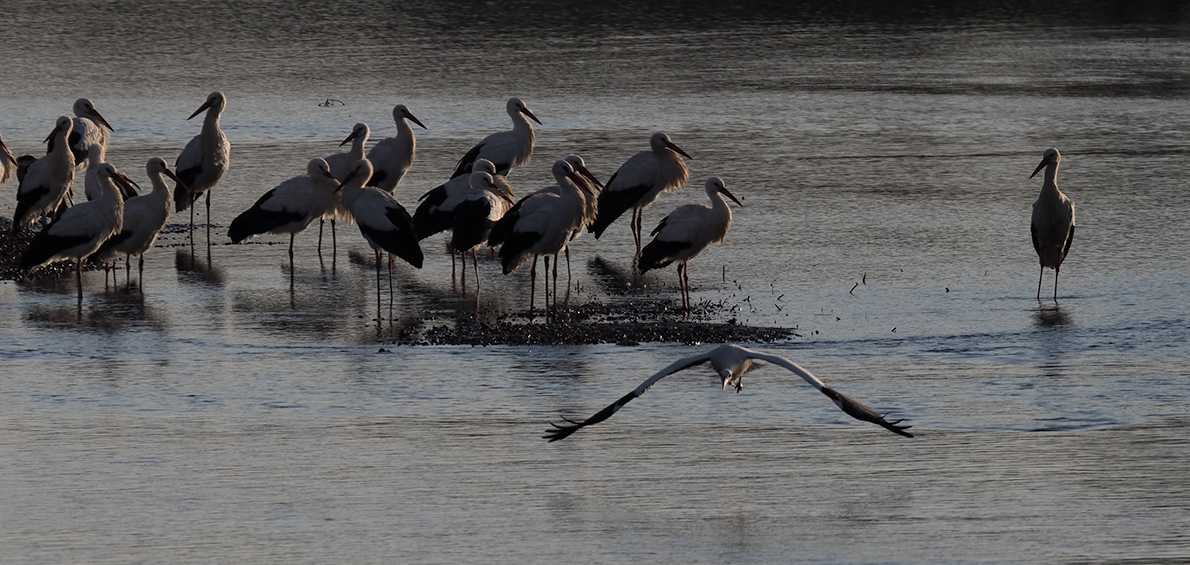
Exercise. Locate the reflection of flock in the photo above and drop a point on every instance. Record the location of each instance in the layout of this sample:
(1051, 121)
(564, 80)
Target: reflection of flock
(477, 205)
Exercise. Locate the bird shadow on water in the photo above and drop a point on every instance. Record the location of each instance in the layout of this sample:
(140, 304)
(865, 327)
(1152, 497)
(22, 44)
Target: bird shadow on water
(203, 270)
(1049, 315)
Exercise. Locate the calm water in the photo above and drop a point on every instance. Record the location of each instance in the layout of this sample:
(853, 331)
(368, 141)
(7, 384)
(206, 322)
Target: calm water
(226, 416)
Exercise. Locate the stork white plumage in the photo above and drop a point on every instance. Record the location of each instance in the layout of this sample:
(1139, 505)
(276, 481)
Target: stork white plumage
(97, 155)
(686, 231)
(47, 181)
(90, 128)
(80, 230)
(590, 207)
(505, 149)
(638, 182)
(8, 164)
(144, 217)
(204, 161)
(541, 224)
(392, 157)
(341, 164)
(730, 362)
(290, 207)
(477, 211)
(1052, 225)
(382, 220)
(436, 209)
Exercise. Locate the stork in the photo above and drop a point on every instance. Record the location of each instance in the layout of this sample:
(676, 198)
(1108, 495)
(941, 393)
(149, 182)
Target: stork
(392, 157)
(47, 181)
(8, 164)
(638, 182)
(1053, 220)
(204, 160)
(290, 207)
(341, 164)
(730, 362)
(686, 231)
(437, 207)
(541, 224)
(89, 128)
(505, 149)
(144, 217)
(97, 155)
(477, 211)
(81, 229)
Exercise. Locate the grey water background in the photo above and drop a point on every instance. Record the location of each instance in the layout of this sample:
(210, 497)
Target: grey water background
(225, 416)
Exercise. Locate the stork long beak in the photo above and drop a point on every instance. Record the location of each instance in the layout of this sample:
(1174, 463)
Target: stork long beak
(578, 180)
(529, 113)
(201, 109)
(677, 150)
(175, 178)
(591, 176)
(348, 138)
(414, 119)
(95, 114)
(52, 134)
(346, 180)
(728, 194)
(1044, 162)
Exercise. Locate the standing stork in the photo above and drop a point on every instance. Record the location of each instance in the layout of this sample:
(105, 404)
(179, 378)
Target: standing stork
(392, 157)
(341, 164)
(204, 161)
(8, 164)
(590, 207)
(505, 149)
(89, 128)
(97, 155)
(1053, 220)
(382, 220)
(290, 207)
(730, 362)
(477, 211)
(47, 180)
(541, 224)
(437, 208)
(144, 217)
(638, 182)
(686, 231)
(80, 230)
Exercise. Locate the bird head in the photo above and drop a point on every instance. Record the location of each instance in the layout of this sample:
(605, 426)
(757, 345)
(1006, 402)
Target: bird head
(732, 380)
(1051, 156)
(214, 100)
(401, 112)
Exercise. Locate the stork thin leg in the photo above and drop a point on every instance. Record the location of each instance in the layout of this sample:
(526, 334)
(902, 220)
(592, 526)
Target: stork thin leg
(78, 273)
(128, 271)
(545, 278)
(208, 225)
(1056, 283)
(463, 272)
(568, 277)
(475, 263)
(377, 287)
(291, 258)
(555, 280)
(140, 279)
(334, 244)
(532, 285)
(686, 283)
(320, 223)
(1042, 272)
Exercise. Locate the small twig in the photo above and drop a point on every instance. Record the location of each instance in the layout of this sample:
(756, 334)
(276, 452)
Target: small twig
(853, 288)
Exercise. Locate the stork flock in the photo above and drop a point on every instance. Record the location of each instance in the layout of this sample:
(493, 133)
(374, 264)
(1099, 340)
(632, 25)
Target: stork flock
(477, 204)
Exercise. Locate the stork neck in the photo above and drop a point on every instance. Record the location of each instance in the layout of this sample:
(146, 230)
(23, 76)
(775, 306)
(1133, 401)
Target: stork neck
(1049, 187)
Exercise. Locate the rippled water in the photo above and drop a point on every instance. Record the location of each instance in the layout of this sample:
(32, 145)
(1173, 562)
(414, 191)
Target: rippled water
(883, 159)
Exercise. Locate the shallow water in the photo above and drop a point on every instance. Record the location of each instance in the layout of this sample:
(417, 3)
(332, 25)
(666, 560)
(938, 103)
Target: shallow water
(231, 415)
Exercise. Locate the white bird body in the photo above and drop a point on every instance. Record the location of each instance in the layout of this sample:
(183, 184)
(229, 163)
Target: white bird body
(81, 229)
(382, 220)
(506, 149)
(341, 164)
(47, 180)
(392, 157)
(89, 128)
(541, 223)
(590, 200)
(8, 164)
(477, 210)
(144, 216)
(730, 363)
(291, 206)
(206, 157)
(96, 156)
(1052, 224)
(639, 181)
(436, 210)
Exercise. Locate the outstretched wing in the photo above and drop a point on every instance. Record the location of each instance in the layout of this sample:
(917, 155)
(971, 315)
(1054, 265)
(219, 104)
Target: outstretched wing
(851, 406)
(562, 431)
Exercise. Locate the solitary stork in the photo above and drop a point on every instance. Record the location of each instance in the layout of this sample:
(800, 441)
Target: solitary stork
(638, 182)
(47, 180)
(686, 231)
(144, 217)
(505, 149)
(341, 164)
(290, 207)
(541, 224)
(730, 362)
(80, 230)
(89, 128)
(204, 160)
(8, 164)
(392, 157)
(382, 220)
(1053, 220)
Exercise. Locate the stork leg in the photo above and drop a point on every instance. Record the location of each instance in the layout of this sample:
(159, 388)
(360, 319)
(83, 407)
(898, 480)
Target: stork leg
(463, 271)
(555, 280)
(208, 225)
(140, 279)
(78, 275)
(291, 258)
(568, 277)
(377, 286)
(1056, 282)
(334, 244)
(545, 278)
(532, 285)
(1039, 275)
(320, 223)
(128, 271)
(475, 263)
(686, 283)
